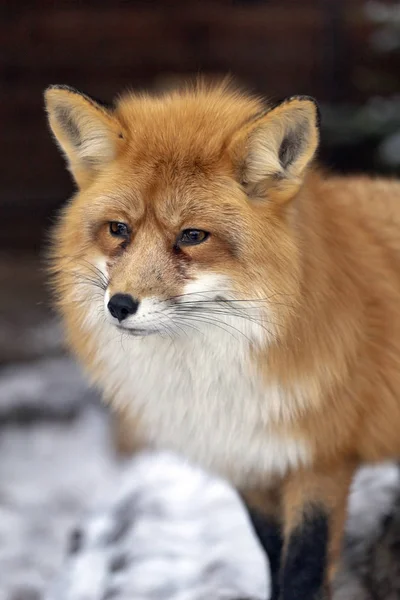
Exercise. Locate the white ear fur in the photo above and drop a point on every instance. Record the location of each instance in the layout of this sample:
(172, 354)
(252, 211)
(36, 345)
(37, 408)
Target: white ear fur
(276, 148)
(87, 133)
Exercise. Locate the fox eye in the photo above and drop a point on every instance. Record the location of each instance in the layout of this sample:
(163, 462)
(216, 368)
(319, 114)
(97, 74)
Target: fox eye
(119, 229)
(192, 237)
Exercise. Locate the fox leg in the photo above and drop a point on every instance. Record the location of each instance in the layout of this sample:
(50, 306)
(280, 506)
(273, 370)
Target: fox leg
(121, 435)
(265, 515)
(269, 533)
(314, 514)
(125, 434)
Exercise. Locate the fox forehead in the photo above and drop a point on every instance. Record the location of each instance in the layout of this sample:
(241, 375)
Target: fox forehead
(174, 164)
(187, 130)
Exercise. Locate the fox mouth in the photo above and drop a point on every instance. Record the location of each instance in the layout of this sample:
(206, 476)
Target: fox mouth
(136, 331)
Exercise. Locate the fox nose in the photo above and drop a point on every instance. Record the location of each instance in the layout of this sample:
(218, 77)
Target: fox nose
(122, 305)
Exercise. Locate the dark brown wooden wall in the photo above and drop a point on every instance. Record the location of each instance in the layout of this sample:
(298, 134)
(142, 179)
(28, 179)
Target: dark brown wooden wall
(279, 47)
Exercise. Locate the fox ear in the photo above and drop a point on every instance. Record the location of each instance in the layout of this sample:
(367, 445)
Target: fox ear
(272, 152)
(87, 132)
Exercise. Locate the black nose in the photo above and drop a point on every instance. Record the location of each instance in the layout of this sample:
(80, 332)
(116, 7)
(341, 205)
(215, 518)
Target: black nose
(122, 305)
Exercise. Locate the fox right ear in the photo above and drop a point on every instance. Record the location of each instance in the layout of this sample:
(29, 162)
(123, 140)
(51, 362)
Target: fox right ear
(271, 153)
(87, 132)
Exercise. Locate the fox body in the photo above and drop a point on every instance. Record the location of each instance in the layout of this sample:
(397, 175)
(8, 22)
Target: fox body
(235, 303)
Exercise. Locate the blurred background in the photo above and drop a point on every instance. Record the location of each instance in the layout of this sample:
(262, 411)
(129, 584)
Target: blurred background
(345, 53)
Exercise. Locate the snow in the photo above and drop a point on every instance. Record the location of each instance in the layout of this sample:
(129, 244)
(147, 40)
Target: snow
(149, 528)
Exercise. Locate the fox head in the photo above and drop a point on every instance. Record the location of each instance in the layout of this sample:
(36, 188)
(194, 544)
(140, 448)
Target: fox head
(184, 217)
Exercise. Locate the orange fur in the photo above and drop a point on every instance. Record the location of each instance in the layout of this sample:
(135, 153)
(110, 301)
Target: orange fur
(323, 253)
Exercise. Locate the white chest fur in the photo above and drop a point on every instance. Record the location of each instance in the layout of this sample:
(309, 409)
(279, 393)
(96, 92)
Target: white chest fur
(201, 397)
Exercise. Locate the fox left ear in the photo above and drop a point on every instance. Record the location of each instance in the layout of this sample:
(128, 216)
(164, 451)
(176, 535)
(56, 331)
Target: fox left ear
(87, 132)
(272, 152)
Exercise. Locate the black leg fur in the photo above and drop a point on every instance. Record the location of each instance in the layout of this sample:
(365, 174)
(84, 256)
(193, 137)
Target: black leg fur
(269, 534)
(304, 568)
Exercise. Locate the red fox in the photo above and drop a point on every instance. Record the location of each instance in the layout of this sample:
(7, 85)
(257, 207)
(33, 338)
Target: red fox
(238, 304)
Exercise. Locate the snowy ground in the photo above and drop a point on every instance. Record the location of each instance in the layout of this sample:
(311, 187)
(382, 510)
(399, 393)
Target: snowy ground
(176, 532)
(151, 529)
